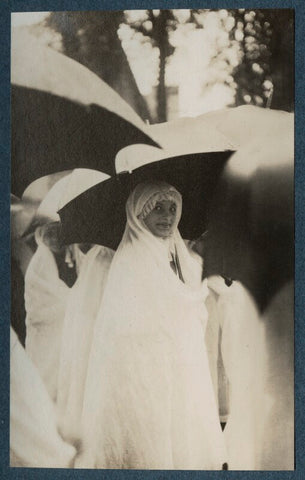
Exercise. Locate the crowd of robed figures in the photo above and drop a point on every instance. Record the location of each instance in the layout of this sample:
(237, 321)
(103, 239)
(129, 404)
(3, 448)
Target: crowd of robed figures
(145, 368)
(135, 358)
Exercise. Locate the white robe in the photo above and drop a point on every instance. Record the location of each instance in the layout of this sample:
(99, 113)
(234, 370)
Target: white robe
(149, 401)
(45, 303)
(82, 307)
(213, 340)
(277, 452)
(34, 439)
(257, 352)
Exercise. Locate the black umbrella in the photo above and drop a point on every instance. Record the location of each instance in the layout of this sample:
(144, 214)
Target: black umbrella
(250, 222)
(251, 232)
(64, 116)
(98, 215)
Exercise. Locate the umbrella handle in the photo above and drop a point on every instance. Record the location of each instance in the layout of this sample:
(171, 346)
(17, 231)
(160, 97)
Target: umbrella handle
(228, 281)
(202, 236)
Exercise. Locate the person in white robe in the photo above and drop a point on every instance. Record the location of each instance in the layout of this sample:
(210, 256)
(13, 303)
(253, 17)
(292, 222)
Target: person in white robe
(34, 438)
(77, 333)
(255, 389)
(277, 450)
(46, 297)
(149, 401)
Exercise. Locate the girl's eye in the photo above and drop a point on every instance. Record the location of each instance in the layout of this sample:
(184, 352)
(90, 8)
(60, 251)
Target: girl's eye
(158, 207)
(173, 209)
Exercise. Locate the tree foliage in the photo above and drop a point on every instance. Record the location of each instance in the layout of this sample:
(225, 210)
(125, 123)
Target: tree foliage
(265, 74)
(263, 38)
(91, 38)
(156, 25)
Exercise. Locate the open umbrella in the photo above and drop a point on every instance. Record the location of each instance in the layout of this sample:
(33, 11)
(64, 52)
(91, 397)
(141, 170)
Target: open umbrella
(251, 231)
(246, 123)
(65, 188)
(63, 115)
(244, 200)
(98, 214)
(251, 221)
(24, 210)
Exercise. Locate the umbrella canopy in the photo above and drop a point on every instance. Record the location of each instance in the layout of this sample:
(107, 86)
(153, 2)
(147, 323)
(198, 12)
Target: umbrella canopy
(27, 211)
(246, 123)
(63, 115)
(98, 215)
(251, 232)
(62, 191)
(248, 195)
(192, 135)
(47, 210)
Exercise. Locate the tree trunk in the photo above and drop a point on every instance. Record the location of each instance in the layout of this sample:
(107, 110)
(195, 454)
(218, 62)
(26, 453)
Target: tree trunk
(161, 90)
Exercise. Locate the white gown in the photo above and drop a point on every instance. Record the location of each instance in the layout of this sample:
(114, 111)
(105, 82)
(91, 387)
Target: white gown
(149, 400)
(82, 307)
(34, 439)
(45, 302)
(257, 352)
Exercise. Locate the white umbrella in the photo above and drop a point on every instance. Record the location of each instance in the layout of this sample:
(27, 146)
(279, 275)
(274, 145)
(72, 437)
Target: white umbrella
(63, 115)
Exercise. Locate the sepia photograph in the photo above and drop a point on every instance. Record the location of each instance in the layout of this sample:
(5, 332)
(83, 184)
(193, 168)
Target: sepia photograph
(152, 239)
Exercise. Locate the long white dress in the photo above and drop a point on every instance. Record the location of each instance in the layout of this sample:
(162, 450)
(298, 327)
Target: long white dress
(243, 349)
(257, 352)
(34, 439)
(45, 302)
(46, 296)
(149, 401)
(77, 332)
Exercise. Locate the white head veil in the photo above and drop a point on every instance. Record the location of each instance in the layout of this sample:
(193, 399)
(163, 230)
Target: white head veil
(144, 244)
(149, 400)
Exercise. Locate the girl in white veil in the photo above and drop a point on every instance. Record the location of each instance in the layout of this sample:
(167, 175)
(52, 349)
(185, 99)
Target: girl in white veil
(149, 401)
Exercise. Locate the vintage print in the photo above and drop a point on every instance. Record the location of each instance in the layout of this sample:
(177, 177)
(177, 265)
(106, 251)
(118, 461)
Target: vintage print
(152, 239)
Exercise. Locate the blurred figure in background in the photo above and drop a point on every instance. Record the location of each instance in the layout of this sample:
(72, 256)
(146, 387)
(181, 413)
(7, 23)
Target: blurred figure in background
(21, 254)
(77, 336)
(34, 439)
(251, 356)
(51, 273)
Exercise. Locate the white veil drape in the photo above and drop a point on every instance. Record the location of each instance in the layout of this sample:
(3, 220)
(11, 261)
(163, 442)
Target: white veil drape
(257, 353)
(45, 302)
(149, 400)
(34, 439)
(82, 307)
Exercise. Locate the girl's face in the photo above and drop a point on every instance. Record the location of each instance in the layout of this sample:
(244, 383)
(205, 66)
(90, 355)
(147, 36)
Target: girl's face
(161, 221)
